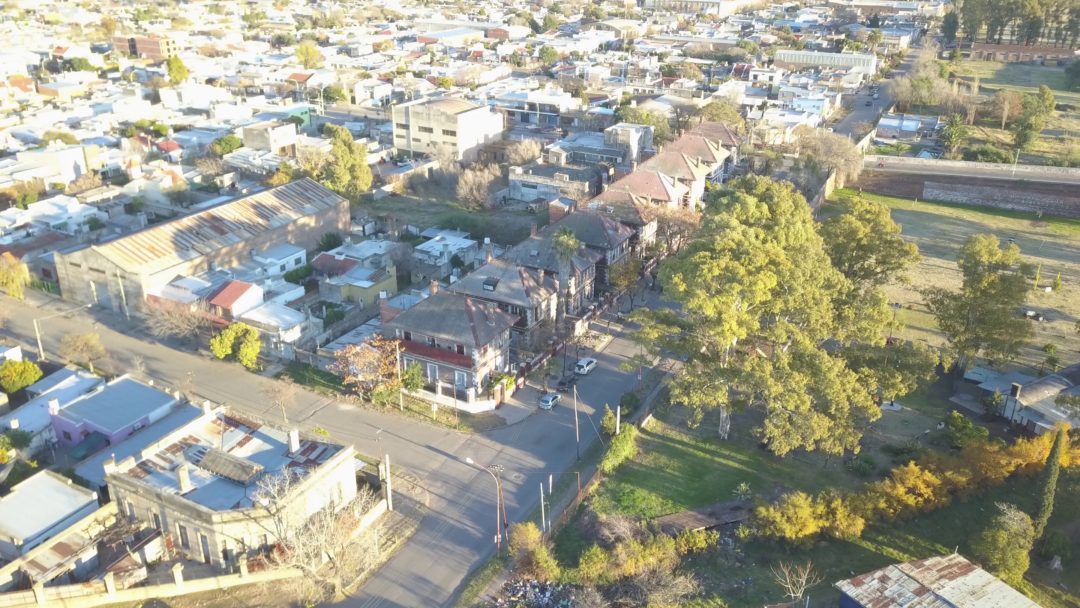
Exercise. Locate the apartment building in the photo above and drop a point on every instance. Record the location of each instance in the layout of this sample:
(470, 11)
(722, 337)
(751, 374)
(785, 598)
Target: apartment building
(154, 48)
(425, 126)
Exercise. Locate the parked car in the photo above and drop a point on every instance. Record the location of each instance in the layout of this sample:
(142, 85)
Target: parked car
(584, 366)
(566, 383)
(549, 400)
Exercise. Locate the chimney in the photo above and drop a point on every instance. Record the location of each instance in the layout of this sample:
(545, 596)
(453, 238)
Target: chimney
(109, 466)
(294, 441)
(1014, 391)
(54, 407)
(488, 255)
(434, 287)
(207, 407)
(183, 478)
(532, 230)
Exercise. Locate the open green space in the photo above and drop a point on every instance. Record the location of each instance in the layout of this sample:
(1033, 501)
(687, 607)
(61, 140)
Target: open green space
(1052, 244)
(678, 468)
(1020, 76)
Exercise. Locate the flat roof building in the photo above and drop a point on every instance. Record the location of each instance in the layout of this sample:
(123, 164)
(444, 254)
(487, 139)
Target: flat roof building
(425, 126)
(39, 508)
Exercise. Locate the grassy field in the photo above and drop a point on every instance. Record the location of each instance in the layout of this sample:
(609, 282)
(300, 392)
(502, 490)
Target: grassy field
(678, 468)
(1020, 76)
(940, 230)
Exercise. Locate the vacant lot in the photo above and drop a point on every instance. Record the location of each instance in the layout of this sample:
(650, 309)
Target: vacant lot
(940, 230)
(507, 226)
(678, 468)
(1020, 76)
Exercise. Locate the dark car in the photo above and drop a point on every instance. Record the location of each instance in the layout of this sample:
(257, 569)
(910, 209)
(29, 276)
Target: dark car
(566, 383)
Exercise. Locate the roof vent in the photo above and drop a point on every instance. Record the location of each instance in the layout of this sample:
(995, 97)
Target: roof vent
(491, 283)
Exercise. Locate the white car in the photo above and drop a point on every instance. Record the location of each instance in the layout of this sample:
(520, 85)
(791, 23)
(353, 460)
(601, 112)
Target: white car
(584, 366)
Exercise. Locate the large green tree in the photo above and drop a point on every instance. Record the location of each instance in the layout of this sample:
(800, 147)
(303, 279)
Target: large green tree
(661, 124)
(176, 69)
(1004, 546)
(1049, 482)
(725, 111)
(760, 298)
(864, 242)
(982, 317)
(347, 172)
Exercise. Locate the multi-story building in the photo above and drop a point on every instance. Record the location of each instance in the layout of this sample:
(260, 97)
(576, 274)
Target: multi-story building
(123, 272)
(793, 57)
(426, 126)
(276, 136)
(544, 181)
(524, 292)
(154, 48)
(223, 486)
(541, 107)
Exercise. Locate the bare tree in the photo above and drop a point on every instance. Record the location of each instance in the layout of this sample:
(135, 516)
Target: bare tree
(830, 152)
(176, 321)
(402, 256)
(82, 348)
(476, 184)
(83, 183)
(523, 152)
(656, 587)
(328, 547)
(310, 161)
(281, 395)
(209, 166)
(795, 579)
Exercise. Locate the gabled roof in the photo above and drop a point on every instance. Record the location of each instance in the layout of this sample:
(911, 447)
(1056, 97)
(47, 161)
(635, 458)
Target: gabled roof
(330, 265)
(653, 186)
(454, 317)
(700, 147)
(677, 165)
(538, 252)
(595, 230)
(624, 206)
(230, 293)
(718, 132)
(165, 245)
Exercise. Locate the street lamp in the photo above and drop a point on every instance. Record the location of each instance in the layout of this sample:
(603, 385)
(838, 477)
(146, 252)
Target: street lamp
(37, 329)
(494, 471)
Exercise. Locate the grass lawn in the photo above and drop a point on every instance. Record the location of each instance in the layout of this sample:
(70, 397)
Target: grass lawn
(1020, 76)
(940, 230)
(677, 468)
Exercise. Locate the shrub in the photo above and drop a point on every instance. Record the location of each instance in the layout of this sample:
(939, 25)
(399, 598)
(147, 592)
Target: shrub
(238, 340)
(695, 541)
(299, 275)
(592, 565)
(962, 431)
(607, 423)
(629, 402)
(19, 439)
(986, 153)
(17, 375)
(1054, 543)
(623, 447)
(863, 466)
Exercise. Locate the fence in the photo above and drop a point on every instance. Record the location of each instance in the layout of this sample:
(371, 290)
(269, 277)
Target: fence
(962, 167)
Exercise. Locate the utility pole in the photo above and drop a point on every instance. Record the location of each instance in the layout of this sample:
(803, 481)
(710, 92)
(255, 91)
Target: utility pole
(387, 487)
(543, 517)
(577, 431)
(618, 418)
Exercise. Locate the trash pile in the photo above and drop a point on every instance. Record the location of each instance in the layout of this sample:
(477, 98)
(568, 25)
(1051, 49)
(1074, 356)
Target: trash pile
(529, 593)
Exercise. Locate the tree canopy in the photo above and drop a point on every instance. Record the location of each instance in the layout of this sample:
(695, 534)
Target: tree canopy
(17, 375)
(760, 296)
(176, 69)
(347, 171)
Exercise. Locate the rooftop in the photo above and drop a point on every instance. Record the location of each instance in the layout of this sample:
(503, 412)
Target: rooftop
(167, 244)
(64, 386)
(454, 317)
(508, 283)
(39, 503)
(226, 455)
(117, 405)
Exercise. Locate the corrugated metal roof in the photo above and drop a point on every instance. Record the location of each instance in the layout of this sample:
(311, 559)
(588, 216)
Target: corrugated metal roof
(165, 245)
(945, 581)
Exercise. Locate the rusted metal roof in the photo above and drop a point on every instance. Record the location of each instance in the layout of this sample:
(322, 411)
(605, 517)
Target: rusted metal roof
(945, 581)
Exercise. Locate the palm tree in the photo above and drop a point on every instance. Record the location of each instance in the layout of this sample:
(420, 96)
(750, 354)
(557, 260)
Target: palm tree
(565, 246)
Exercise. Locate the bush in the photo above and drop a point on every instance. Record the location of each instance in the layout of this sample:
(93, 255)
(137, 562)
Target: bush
(607, 423)
(299, 275)
(1054, 543)
(623, 447)
(987, 153)
(592, 565)
(238, 340)
(17, 375)
(629, 402)
(689, 542)
(962, 431)
(863, 466)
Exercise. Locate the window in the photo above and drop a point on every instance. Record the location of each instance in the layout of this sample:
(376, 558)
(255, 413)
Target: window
(460, 378)
(461, 349)
(416, 140)
(401, 125)
(431, 341)
(67, 435)
(449, 132)
(297, 261)
(432, 372)
(184, 542)
(426, 130)
(157, 520)
(408, 336)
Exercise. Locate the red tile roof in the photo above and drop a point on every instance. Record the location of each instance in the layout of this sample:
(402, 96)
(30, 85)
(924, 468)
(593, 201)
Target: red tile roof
(230, 293)
(326, 263)
(167, 145)
(299, 77)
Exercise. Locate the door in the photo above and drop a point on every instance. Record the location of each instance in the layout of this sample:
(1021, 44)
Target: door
(432, 372)
(460, 379)
(205, 547)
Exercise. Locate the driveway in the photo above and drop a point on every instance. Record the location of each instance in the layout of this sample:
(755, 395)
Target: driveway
(457, 534)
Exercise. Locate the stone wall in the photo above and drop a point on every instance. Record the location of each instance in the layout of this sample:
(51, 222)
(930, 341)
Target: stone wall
(1014, 199)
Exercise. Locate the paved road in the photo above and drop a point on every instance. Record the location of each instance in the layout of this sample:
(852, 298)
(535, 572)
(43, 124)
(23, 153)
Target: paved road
(458, 532)
(870, 113)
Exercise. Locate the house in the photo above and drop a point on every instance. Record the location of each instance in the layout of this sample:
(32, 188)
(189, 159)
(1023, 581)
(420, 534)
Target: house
(425, 126)
(1033, 404)
(125, 271)
(866, 62)
(444, 253)
(633, 212)
(526, 293)
(55, 391)
(689, 171)
(109, 413)
(277, 260)
(654, 187)
(461, 344)
(357, 272)
(200, 484)
(602, 234)
(274, 136)
(706, 150)
(545, 181)
(282, 327)
(39, 508)
(538, 253)
(234, 298)
(934, 582)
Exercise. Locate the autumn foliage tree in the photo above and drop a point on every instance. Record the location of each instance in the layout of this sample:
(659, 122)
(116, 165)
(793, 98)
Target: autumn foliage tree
(239, 341)
(370, 369)
(17, 375)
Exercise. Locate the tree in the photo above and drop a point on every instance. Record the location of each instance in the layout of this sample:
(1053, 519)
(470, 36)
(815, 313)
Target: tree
(523, 152)
(1046, 99)
(550, 22)
(794, 517)
(253, 18)
(334, 93)
(759, 298)
(226, 144)
(794, 579)
(78, 64)
(17, 375)
(1007, 104)
(326, 547)
(108, 26)
(674, 226)
(724, 111)
(548, 55)
(14, 275)
(283, 175)
(346, 170)
(86, 181)
(209, 166)
(607, 423)
(239, 341)
(1004, 547)
(954, 132)
(660, 123)
(962, 431)
(307, 53)
(1048, 482)
(177, 321)
(981, 318)
(176, 70)
(624, 277)
(328, 241)
(61, 136)
(864, 243)
(565, 245)
(829, 152)
(949, 26)
(892, 371)
(370, 369)
(477, 183)
(82, 349)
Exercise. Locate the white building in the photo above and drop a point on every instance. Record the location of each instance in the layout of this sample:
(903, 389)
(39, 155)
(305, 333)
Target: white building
(39, 508)
(426, 125)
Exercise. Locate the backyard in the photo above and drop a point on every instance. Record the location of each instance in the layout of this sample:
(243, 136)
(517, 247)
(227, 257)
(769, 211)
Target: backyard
(679, 468)
(939, 230)
(507, 225)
